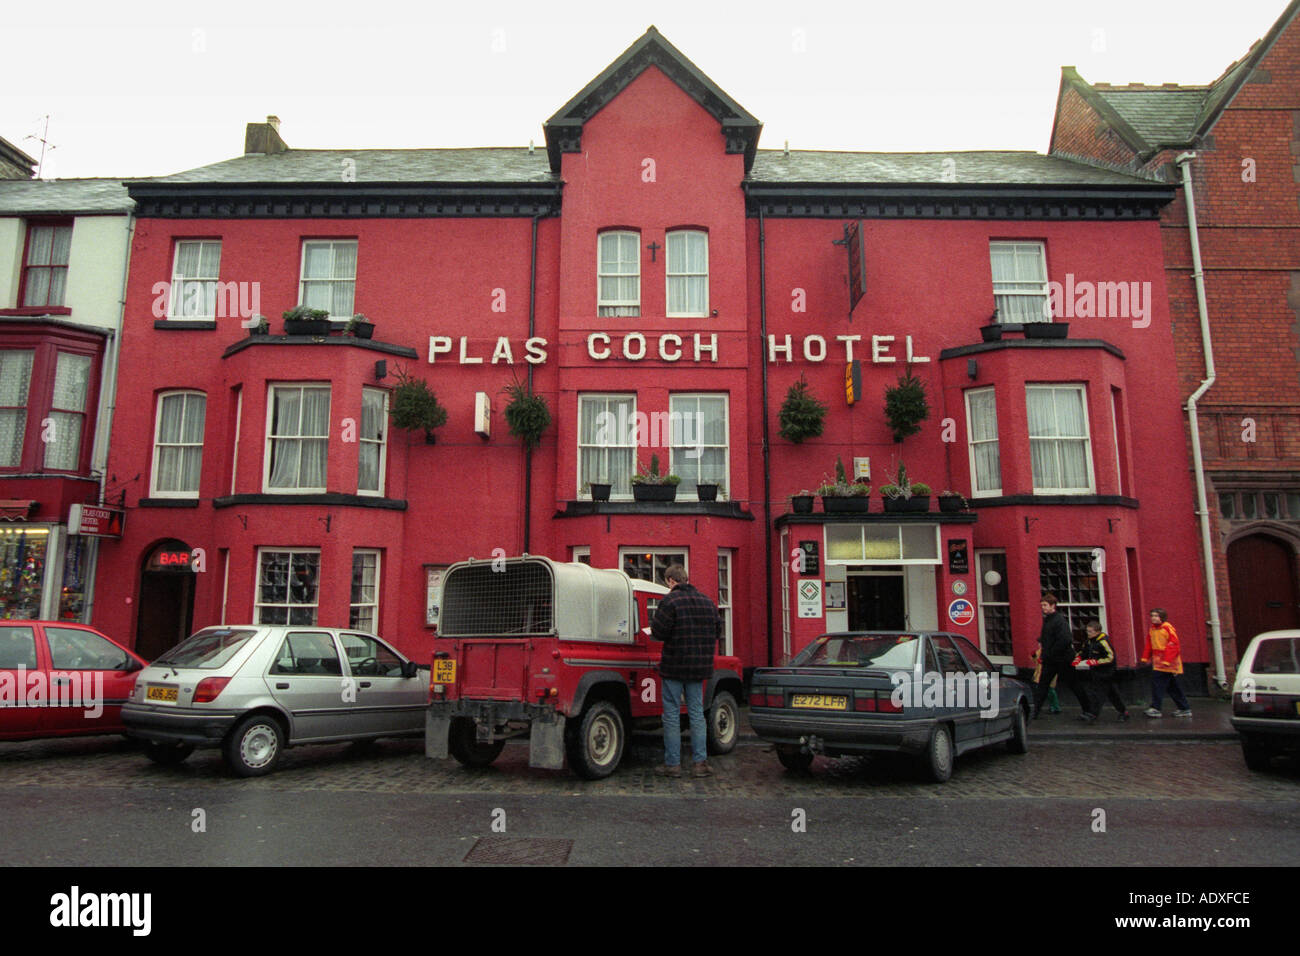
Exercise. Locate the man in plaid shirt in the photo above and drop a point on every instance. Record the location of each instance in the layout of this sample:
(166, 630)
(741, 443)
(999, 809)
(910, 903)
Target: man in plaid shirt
(689, 626)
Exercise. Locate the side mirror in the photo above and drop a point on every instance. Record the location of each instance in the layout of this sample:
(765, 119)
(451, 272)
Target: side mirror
(410, 668)
(1008, 670)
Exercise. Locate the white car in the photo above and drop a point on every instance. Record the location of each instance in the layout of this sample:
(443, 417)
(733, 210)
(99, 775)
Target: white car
(1266, 698)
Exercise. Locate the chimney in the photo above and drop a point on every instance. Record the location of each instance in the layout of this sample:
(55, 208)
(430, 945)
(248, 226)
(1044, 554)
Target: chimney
(264, 137)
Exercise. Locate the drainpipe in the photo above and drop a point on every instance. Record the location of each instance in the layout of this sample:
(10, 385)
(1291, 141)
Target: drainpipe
(767, 450)
(1202, 507)
(532, 324)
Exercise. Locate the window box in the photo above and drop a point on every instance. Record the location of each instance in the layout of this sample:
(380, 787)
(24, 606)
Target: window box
(600, 490)
(801, 504)
(646, 492)
(848, 504)
(707, 491)
(991, 333)
(1047, 330)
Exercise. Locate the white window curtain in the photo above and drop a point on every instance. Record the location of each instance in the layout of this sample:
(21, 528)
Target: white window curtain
(1019, 281)
(1058, 439)
(47, 259)
(985, 453)
(605, 442)
(194, 280)
(698, 427)
(329, 272)
(619, 274)
(688, 273)
(374, 407)
(180, 443)
(71, 380)
(15, 380)
(299, 437)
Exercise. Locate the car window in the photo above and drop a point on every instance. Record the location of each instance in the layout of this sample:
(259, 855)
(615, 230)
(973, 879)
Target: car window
(309, 653)
(210, 647)
(868, 650)
(974, 659)
(368, 657)
(1277, 655)
(950, 660)
(17, 647)
(74, 649)
(931, 659)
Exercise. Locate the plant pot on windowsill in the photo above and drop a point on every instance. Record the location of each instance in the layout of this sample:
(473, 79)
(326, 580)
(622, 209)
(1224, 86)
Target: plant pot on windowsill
(706, 491)
(846, 504)
(895, 506)
(361, 330)
(599, 490)
(643, 491)
(991, 333)
(917, 504)
(952, 504)
(301, 320)
(1047, 330)
(802, 504)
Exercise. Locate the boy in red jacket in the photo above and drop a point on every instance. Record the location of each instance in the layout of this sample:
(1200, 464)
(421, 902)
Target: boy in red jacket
(1165, 653)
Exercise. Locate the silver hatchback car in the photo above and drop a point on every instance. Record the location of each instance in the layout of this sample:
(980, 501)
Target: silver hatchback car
(255, 690)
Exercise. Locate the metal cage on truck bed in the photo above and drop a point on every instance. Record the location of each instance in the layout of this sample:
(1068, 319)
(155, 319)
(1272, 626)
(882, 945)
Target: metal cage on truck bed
(535, 597)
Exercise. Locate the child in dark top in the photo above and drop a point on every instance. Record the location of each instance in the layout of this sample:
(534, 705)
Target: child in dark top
(1098, 659)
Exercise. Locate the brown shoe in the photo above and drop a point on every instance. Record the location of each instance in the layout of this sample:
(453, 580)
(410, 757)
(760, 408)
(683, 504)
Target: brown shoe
(667, 771)
(702, 769)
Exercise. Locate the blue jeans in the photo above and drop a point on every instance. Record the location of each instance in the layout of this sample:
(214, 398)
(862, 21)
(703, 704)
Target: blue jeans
(1162, 681)
(694, 690)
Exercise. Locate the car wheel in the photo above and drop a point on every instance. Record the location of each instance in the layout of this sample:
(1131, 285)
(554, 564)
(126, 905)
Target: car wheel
(595, 743)
(253, 748)
(1019, 742)
(794, 758)
(167, 754)
(463, 744)
(1257, 757)
(938, 755)
(724, 723)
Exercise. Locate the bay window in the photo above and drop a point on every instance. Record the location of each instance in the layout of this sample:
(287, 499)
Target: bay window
(297, 438)
(982, 443)
(1059, 449)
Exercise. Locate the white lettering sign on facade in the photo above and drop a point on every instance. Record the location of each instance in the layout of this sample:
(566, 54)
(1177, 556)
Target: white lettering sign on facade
(592, 339)
(880, 349)
(676, 340)
(848, 341)
(814, 348)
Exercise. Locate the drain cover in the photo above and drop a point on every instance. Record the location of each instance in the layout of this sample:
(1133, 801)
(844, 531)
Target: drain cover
(520, 851)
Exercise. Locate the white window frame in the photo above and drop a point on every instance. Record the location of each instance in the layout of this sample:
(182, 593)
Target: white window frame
(682, 235)
(1086, 438)
(726, 581)
(271, 439)
(257, 584)
(333, 280)
(863, 560)
(1016, 287)
(673, 422)
(154, 491)
(578, 552)
(381, 442)
(1063, 600)
(628, 442)
(377, 554)
(1114, 434)
(971, 442)
(980, 602)
(618, 308)
(176, 298)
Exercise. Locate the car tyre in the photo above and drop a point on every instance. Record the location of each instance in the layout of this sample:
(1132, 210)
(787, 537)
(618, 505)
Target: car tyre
(1019, 742)
(724, 723)
(254, 747)
(794, 758)
(167, 754)
(1257, 756)
(595, 741)
(938, 755)
(468, 750)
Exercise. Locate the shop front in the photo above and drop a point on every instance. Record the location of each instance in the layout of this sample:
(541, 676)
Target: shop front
(44, 572)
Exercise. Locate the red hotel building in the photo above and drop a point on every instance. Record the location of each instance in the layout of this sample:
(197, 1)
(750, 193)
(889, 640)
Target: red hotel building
(649, 264)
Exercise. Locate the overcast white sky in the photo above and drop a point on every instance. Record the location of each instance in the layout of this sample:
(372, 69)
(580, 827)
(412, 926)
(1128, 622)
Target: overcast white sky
(150, 88)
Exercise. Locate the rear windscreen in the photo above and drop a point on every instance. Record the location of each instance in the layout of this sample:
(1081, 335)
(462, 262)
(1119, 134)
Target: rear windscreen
(480, 602)
(1279, 655)
(208, 648)
(894, 650)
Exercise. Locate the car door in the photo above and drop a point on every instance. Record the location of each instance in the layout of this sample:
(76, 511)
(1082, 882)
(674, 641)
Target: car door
(18, 662)
(90, 679)
(995, 705)
(957, 702)
(386, 702)
(306, 679)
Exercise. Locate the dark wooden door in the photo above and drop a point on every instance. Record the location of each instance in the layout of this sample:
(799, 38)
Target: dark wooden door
(876, 602)
(165, 611)
(1261, 576)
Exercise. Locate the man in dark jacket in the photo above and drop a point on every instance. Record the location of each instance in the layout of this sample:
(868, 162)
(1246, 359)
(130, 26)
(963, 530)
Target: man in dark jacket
(1057, 645)
(688, 624)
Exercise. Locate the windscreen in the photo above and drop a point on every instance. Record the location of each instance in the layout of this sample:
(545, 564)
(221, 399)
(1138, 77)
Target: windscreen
(478, 601)
(1279, 655)
(864, 650)
(209, 648)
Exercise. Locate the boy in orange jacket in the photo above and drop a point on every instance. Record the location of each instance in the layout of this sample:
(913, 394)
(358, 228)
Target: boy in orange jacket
(1165, 653)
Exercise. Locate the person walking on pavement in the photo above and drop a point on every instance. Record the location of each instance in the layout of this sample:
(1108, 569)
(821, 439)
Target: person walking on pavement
(1164, 650)
(1053, 702)
(1097, 659)
(689, 626)
(1057, 646)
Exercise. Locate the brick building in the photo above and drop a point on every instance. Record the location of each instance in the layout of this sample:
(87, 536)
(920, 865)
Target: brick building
(1239, 140)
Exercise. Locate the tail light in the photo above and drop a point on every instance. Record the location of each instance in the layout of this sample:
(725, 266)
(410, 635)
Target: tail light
(1265, 705)
(209, 688)
(766, 700)
(885, 704)
(865, 701)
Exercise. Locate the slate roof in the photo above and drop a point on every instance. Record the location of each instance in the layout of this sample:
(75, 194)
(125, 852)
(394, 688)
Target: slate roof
(62, 197)
(1000, 167)
(1161, 115)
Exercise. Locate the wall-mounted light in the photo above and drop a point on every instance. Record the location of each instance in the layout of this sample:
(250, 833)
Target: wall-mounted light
(381, 370)
(972, 368)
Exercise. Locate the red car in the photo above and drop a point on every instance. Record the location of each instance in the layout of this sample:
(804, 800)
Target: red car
(59, 679)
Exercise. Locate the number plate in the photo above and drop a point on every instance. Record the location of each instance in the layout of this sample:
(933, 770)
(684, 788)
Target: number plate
(820, 701)
(162, 692)
(444, 671)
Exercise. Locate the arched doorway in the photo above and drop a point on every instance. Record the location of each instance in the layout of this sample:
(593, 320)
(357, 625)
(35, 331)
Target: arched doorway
(165, 609)
(1262, 579)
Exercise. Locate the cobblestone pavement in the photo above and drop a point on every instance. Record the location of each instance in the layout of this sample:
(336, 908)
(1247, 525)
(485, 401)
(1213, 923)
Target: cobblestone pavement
(1145, 770)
